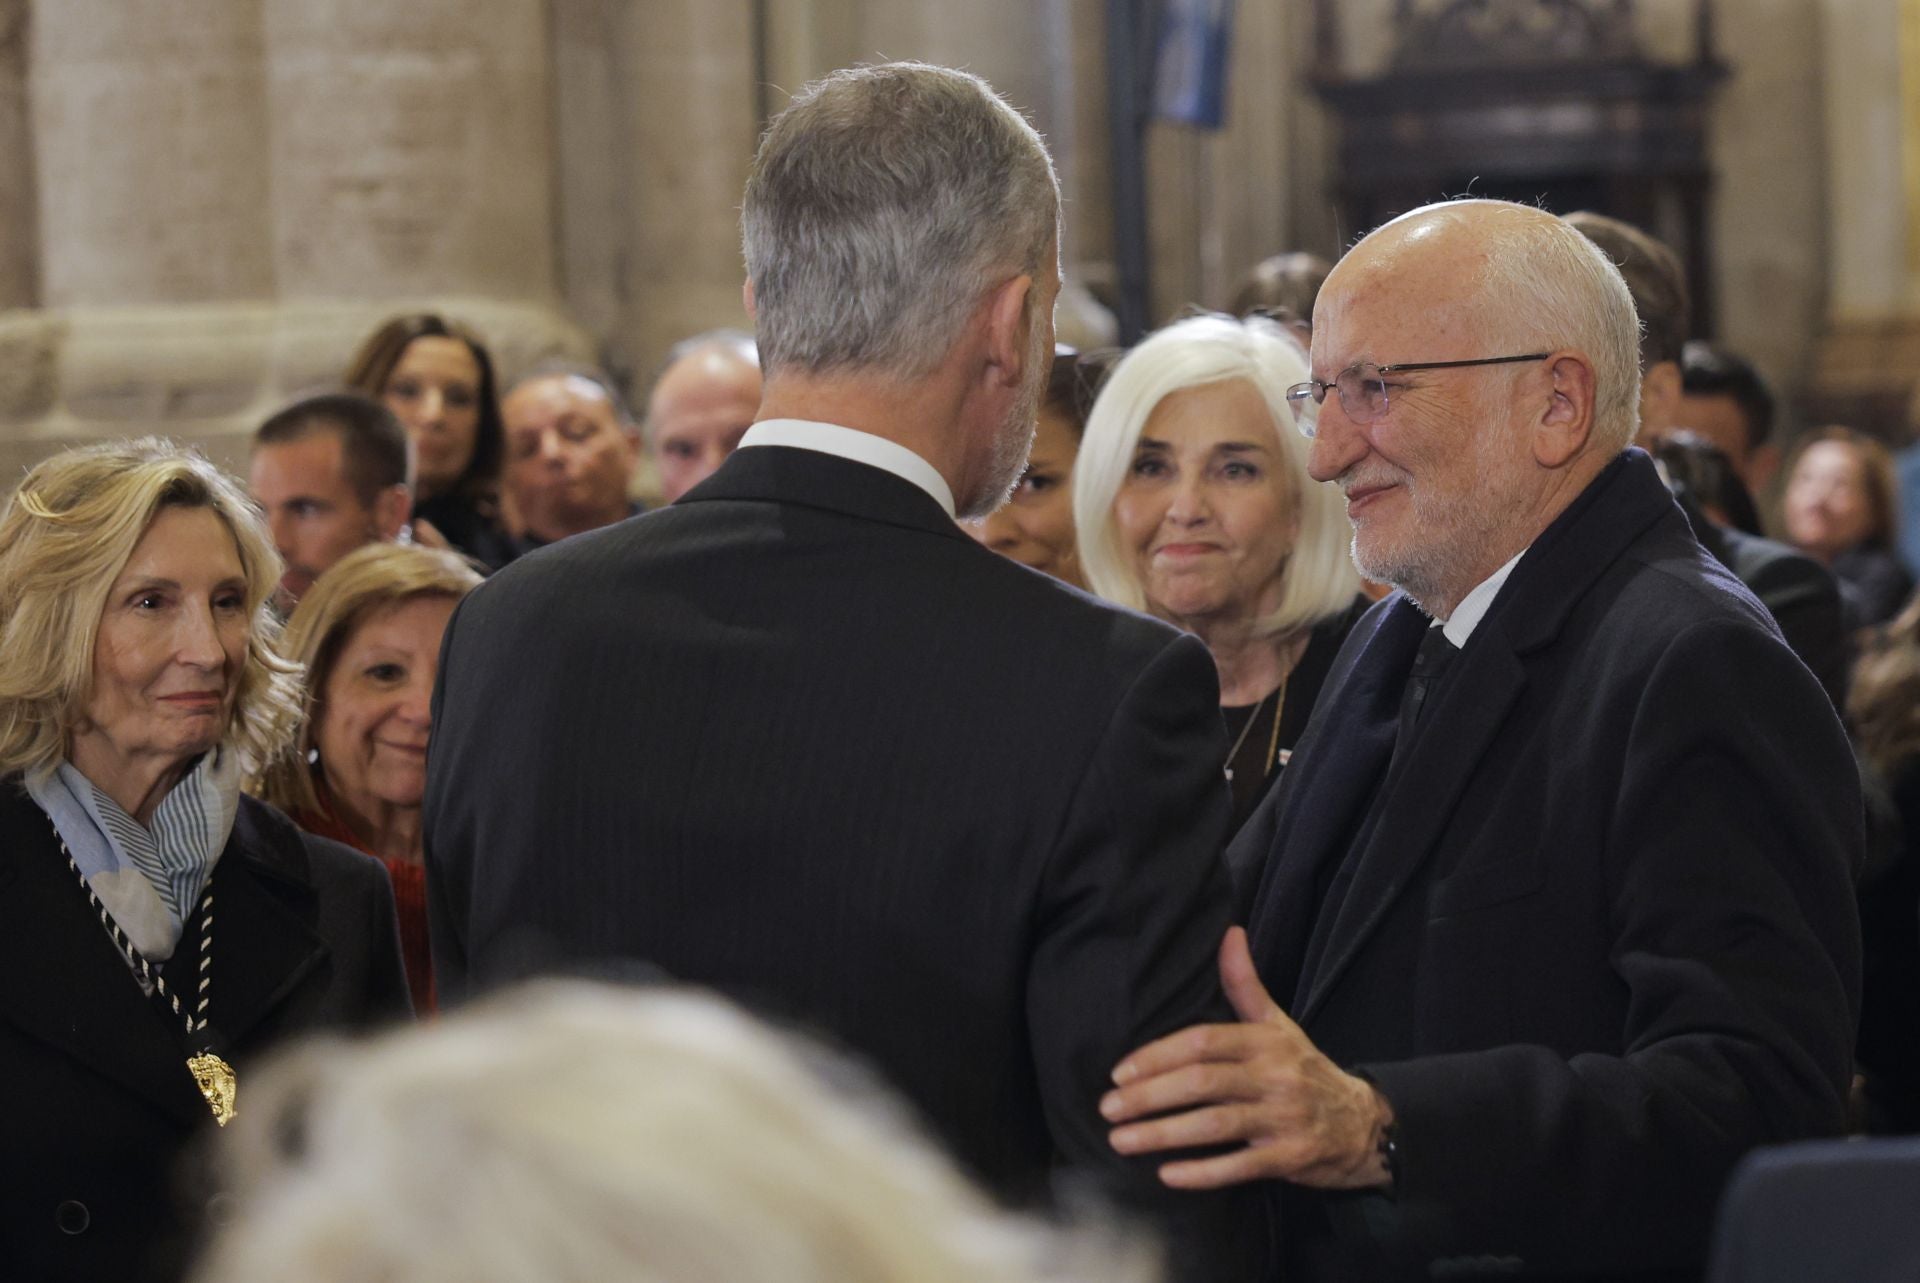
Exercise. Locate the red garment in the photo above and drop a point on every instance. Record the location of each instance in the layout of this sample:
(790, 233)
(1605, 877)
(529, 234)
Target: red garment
(409, 899)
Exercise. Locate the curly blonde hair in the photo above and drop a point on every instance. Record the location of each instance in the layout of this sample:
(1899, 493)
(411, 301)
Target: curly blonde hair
(66, 535)
(366, 581)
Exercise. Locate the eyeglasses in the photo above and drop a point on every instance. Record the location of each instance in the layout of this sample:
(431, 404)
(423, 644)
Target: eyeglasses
(1363, 392)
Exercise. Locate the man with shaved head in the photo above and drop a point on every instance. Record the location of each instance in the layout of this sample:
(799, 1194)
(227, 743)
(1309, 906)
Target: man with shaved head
(1550, 920)
(702, 404)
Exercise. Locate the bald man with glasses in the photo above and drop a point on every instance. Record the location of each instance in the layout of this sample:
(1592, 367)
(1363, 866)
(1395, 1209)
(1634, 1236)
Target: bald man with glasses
(1550, 920)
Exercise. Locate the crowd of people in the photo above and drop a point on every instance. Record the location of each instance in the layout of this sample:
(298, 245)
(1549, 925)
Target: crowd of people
(1345, 789)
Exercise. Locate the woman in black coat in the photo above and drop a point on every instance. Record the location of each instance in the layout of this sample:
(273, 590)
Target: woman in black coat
(136, 681)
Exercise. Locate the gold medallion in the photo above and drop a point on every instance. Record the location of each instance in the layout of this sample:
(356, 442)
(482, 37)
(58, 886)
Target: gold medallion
(215, 1079)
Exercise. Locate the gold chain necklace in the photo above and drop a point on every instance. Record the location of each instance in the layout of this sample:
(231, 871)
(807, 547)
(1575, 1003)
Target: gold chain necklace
(211, 1074)
(1273, 742)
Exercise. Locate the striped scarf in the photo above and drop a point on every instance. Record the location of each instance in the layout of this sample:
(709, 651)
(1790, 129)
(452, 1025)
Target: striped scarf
(149, 876)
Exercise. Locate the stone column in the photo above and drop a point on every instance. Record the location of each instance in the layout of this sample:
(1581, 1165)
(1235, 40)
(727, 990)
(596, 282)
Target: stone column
(19, 220)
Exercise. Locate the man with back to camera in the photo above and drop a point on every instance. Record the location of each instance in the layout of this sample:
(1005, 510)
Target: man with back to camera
(1556, 893)
(571, 451)
(799, 738)
(701, 406)
(332, 472)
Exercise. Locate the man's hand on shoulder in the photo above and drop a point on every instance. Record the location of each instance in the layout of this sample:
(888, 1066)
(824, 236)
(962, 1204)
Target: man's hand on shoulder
(1262, 1084)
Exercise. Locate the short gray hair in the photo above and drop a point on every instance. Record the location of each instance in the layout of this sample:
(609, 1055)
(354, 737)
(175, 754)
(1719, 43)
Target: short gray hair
(1548, 283)
(560, 368)
(879, 207)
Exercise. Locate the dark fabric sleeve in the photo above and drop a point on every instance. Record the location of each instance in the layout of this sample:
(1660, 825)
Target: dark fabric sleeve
(446, 847)
(1804, 600)
(1133, 907)
(1736, 825)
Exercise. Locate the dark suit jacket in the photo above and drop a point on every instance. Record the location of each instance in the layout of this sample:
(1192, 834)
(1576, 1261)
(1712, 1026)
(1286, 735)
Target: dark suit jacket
(1602, 941)
(1839, 1210)
(1800, 593)
(101, 1105)
(797, 737)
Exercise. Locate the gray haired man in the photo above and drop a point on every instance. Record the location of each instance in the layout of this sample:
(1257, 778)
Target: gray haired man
(799, 738)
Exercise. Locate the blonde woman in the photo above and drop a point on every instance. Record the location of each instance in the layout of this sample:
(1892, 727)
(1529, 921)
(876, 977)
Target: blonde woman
(1192, 501)
(368, 634)
(137, 682)
(572, 1133)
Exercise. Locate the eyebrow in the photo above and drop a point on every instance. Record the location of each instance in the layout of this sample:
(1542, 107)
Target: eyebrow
(1233, 447)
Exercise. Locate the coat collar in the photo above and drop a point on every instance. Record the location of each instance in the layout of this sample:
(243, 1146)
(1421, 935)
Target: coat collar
(786, 474)
(63, 981)
(1337, 781)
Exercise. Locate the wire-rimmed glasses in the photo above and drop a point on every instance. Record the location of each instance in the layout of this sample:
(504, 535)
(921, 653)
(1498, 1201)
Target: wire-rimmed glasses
(1363, 392)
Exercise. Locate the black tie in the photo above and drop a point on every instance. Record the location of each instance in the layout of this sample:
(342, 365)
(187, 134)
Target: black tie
(1429, 667)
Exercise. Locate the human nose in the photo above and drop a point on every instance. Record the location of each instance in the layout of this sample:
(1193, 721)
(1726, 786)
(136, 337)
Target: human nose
(550, 446)
(1337, 442)
(280, 525)
(197, 643)
(998, 530)
(1188, 501)
(416, 703)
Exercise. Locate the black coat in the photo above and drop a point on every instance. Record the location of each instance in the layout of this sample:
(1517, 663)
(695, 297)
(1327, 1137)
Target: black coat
(100, 1105)
(797, 737)
(1602, 941)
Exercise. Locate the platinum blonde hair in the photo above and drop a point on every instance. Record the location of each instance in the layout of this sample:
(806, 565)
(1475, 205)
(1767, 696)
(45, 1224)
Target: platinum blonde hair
(572, 1133)
(1319, 575)
(880, 206)
(354, 589)
(67, 533)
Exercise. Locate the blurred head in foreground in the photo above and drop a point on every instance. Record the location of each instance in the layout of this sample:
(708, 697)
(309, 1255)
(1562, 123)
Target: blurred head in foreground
(574, 1131)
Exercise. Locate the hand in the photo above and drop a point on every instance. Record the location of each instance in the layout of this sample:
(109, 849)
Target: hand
(426, 536)
(1263, 1083)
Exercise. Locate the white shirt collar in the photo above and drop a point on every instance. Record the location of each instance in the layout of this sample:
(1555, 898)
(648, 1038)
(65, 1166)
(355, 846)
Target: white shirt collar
(851, 443)
(1473, 607)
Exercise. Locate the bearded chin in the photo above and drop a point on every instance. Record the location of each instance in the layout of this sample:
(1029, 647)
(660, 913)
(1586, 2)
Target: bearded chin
(1013, 443)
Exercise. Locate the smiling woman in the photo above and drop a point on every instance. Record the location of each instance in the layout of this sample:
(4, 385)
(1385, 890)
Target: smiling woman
(368, 635)
(137, 682)
(1193, 502)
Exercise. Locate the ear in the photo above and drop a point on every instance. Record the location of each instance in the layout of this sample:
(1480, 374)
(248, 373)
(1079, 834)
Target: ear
(391, 508)
(1660, 392)
(746, 299)
(1008, 319)
(1562, 430)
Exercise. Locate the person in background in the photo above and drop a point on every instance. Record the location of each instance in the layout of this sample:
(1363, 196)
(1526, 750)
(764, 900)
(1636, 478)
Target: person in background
(571, 451)
(159, 929)
(701, 405)
(1724, 399)
(438, 380)
(355, 768)
(1700, 471)
(1841, 506)
(1799, 592)
(1284, 287)
(1035, 525)
(567, 1131)
(1193, 503)
(331, 473)
(1883, 710)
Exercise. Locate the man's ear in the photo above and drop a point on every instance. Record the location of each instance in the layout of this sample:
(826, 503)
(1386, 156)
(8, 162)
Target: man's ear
(391, 509)
(1007, 317)
(1567, 422)
(1660, 392)
(746, 299)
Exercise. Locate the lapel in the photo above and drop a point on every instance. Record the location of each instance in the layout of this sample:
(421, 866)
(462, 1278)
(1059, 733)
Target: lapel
(64, 982)
(264, 941)
(1330, 781)
(1425, 786)
(811, 478)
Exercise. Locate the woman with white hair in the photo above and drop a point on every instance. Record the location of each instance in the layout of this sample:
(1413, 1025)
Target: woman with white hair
(1193, 502)
(138, 683)
(572, 1132)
